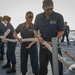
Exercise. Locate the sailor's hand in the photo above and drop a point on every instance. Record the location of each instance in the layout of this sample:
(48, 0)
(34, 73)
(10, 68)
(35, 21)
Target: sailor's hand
(40, 39)
(50, 43)
(29, 46)
(3, 38)
(20, 40)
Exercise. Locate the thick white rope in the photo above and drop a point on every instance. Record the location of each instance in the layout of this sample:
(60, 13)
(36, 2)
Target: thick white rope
(68, 54)
(60, 58)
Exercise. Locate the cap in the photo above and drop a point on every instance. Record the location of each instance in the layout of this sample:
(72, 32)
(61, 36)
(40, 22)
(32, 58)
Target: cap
(29, 14)
(47, 4)
(6, 18)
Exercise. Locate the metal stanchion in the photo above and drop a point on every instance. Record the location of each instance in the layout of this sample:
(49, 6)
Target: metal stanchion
(55, 56)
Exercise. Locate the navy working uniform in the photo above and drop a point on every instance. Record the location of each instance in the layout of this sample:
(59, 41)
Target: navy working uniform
(2, 30)
(11, 58)
(66, 33)
(28, 33)
(11, 45)
(48, 28)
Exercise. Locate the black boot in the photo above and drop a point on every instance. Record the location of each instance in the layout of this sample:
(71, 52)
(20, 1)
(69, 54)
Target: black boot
(13, 69)
(35, 74)
(68, 43)
(23, 74)
(1, 57)
(7, 65)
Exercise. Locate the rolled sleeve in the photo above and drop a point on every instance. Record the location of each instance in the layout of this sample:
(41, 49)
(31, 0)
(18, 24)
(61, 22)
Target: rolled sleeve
(18, 29)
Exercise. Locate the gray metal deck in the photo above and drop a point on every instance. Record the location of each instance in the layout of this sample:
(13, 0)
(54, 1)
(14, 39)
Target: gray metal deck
(69, 48)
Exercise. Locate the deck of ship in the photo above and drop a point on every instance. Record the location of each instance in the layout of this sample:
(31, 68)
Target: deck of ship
(69, 48)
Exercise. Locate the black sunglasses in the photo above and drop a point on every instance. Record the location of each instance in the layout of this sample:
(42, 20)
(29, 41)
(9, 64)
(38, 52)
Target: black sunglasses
(30, 17)
(49, 9)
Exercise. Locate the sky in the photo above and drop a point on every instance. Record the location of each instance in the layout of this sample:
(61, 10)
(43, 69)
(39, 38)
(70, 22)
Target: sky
(17, 9)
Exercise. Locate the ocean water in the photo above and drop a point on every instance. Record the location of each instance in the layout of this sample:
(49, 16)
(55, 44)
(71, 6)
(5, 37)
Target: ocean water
(71, 35)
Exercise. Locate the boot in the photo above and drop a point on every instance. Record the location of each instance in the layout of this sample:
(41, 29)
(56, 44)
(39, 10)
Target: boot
(13, 69)
(68, 43)
(23, 74)
(1, 57)
(7, 65)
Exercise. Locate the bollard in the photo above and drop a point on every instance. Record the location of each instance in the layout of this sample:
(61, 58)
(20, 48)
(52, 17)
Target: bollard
(55, 56)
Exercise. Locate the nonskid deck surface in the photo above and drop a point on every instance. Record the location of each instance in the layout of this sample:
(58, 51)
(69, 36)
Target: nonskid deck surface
(69, 48)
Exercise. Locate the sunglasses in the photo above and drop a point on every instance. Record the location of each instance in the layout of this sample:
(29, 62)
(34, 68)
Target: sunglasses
(30, 17)
(50, 9)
